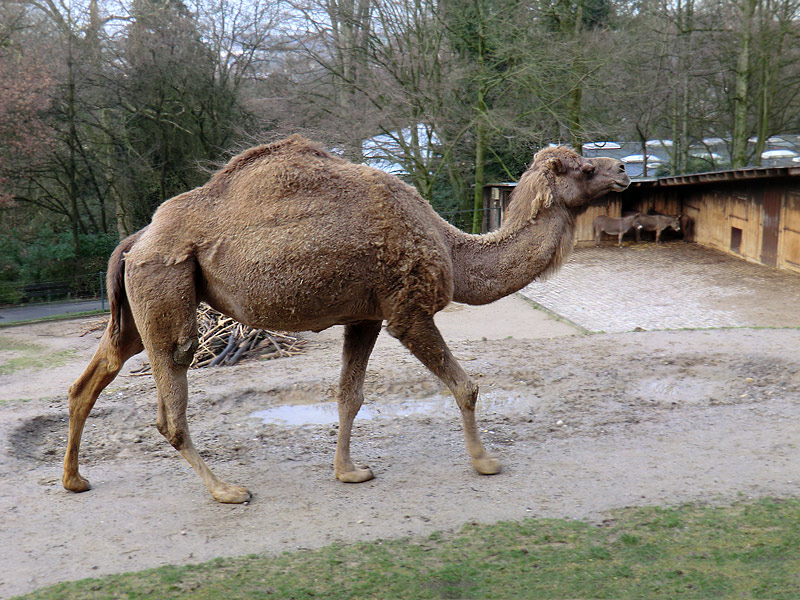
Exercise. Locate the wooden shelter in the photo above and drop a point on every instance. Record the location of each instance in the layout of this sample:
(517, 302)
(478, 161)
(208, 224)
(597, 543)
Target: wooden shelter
(752, 213)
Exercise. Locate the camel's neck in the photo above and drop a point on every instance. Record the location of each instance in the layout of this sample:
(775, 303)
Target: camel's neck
(491, 266)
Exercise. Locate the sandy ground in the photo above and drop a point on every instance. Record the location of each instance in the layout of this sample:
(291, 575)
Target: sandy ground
(583, 424)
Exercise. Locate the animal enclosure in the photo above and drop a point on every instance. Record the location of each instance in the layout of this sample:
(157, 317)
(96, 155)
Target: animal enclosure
(750, 213)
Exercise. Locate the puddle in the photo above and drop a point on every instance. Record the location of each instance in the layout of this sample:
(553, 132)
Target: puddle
(327, 413)
(685, 389)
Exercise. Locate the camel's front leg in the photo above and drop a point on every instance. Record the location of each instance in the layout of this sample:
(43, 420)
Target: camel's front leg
(359, 339)
(423, 339)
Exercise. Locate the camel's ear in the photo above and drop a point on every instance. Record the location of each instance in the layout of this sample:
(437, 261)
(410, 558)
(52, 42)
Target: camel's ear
(556, 165)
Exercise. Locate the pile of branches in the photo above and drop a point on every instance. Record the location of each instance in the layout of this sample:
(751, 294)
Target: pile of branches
(225, 341)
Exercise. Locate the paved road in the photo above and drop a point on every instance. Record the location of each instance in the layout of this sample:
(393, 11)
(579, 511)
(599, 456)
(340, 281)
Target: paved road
(671, 286)
(31, 312)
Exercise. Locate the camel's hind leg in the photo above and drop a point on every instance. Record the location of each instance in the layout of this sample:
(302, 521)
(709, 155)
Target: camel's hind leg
(359, 339)
(164, 304)
(103, 368)
(171, 422)
(422, 338)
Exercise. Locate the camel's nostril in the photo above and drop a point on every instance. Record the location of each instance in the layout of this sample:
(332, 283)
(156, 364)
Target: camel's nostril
(621, 167)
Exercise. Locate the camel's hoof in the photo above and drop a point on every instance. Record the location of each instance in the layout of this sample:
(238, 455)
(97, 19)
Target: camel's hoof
(356, 475)
(231, 494)
(75, 483)
(487, 465)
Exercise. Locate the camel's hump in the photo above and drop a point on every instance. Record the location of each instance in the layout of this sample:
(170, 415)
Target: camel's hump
(294, 145)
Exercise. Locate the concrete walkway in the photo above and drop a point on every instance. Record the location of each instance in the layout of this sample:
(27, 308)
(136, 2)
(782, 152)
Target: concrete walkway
(31, 312)
(672, 286)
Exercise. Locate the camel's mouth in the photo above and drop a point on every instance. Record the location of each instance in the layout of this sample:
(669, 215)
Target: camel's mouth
(619, 186)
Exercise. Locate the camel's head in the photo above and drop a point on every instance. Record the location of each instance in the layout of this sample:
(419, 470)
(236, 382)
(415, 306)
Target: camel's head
(562, 175)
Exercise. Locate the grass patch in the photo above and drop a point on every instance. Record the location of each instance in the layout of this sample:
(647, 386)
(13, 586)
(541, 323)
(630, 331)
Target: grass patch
(9, 402)
(8, 344)
(16, 355)
(749, 550)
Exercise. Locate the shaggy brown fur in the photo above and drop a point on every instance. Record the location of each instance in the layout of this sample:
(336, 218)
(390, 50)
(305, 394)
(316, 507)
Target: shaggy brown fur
(287, 236)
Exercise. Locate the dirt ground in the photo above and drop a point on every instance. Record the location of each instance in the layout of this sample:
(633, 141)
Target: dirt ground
(582, 423)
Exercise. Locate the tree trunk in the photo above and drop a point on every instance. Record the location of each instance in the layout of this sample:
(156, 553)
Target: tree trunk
(643, 140)
(762, 123)
(350, 25)
(683, 147)
(574, 110)
(684, 15)
(480, 159)
(741, 87)
(481, 131)
(771, 44)
(574, 116)
(72, 140)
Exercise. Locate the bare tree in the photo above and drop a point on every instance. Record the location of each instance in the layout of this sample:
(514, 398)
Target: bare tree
(335, 35)
(776, 70)
(26, 90)
(745, 15)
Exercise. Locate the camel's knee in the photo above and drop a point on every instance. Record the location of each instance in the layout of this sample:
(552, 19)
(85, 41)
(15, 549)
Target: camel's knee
(467, 395)
(349, 402)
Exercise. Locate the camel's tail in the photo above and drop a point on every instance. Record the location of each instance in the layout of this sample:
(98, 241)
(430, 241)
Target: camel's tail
(115, 281)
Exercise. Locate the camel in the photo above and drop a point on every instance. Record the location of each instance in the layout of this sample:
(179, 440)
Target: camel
(288, 236)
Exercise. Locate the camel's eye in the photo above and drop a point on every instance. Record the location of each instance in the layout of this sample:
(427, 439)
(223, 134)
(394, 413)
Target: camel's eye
(588, 169)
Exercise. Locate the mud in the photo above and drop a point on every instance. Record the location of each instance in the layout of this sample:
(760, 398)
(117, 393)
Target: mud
(583, 424)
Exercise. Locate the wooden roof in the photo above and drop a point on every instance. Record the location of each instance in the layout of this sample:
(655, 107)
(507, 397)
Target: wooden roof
(720, 176)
